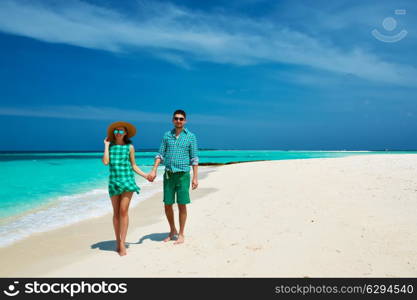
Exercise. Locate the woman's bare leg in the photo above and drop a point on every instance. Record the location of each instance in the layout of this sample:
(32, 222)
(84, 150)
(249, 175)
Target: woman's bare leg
(124, 219)
(115, 201)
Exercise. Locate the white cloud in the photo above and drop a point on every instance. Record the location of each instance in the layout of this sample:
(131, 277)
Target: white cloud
(88, 112)
(164, 29)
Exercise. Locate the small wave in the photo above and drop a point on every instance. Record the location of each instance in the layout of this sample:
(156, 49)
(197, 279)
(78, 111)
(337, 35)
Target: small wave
(63, 211)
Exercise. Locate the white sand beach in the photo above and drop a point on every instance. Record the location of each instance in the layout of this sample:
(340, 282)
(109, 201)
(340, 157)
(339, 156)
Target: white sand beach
(328, 217)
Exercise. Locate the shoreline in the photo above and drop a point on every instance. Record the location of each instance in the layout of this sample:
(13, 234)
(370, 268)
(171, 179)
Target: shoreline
(60, 212)
(150, 209)
(53, 205)
(345, 217)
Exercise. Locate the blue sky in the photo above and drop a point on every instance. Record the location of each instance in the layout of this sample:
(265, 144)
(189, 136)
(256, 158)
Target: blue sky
(251, 74)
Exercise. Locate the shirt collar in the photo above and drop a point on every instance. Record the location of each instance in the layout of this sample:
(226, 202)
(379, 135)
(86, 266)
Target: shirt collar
(185, 130)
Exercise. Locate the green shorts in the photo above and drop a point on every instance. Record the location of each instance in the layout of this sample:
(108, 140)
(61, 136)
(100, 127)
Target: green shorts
(176, 183)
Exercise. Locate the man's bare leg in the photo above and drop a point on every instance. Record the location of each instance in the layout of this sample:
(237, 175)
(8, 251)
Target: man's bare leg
(183, 217)
(169, 212)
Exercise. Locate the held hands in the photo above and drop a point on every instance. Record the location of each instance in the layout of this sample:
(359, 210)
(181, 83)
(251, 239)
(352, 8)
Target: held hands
(151, 176)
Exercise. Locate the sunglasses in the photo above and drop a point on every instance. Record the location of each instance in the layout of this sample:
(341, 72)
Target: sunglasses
(118, 131)
(179, 119)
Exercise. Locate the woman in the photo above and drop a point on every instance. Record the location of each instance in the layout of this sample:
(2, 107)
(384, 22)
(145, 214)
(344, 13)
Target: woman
(120, 154)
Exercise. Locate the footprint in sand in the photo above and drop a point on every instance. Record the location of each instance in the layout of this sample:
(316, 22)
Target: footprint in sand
(254, 248)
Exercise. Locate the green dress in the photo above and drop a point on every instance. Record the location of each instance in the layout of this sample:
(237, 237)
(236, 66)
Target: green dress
(122, 178)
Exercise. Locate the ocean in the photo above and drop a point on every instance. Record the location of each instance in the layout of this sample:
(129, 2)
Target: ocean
(40, 191)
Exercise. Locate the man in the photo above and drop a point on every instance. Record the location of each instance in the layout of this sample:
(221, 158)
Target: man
(177, 152)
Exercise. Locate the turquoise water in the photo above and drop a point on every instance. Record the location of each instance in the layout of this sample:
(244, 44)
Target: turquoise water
(72, 185)
(28, 180)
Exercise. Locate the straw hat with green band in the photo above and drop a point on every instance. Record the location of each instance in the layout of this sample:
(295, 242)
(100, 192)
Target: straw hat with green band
(131, 130)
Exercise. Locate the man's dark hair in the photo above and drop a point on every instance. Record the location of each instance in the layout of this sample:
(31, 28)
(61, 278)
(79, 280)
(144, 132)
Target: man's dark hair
(181, 112)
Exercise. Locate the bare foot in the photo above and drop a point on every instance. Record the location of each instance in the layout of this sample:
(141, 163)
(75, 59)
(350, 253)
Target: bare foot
(121, 249)
(170, 236)
(180, 240)
(117, 246)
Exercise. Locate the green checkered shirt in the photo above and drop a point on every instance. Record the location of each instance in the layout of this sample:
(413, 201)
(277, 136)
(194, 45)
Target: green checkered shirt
(177, 154)
(121, 177)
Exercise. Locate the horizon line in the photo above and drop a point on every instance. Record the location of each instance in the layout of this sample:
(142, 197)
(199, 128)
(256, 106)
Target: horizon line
(203, 149)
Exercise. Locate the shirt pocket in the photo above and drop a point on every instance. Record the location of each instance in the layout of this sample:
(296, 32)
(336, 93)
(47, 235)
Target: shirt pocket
(171, 144)
(185, 146)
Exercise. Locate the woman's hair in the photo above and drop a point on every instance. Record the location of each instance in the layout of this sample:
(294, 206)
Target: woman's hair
(125, 138)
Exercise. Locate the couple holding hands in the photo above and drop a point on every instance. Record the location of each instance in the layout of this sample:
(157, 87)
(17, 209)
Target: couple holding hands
(178, 151)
